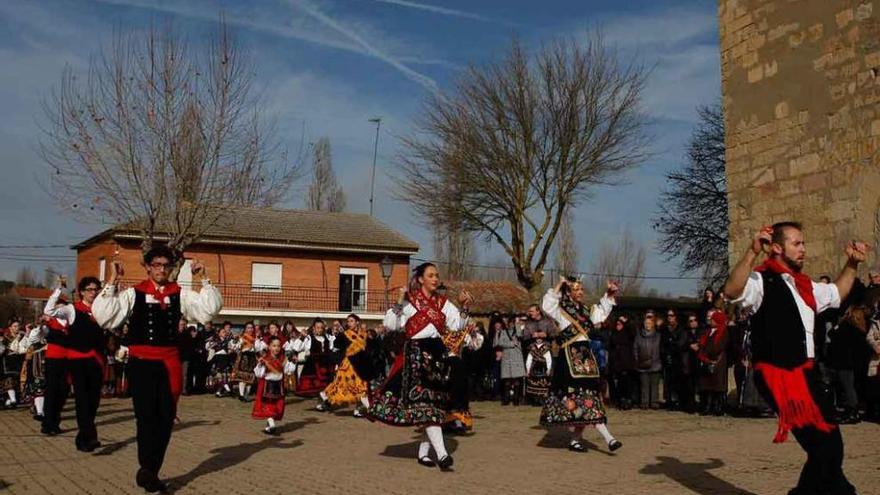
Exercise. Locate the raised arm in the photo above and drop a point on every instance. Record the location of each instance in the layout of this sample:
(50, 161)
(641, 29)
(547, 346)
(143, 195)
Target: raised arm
(550, 305)
(64, 312)
(601, 310)
(739, 276)
(111, 309)
(856, 252)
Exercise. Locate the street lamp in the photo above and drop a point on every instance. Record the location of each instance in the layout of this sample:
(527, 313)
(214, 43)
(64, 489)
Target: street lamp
(378, 122)
(387, 266)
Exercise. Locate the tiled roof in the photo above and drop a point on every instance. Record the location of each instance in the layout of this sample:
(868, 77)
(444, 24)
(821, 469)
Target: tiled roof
(504, 297)
(296, 227)
(32, 292)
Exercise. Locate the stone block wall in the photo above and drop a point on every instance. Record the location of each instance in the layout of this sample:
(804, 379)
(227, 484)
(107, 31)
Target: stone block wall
(801, 97)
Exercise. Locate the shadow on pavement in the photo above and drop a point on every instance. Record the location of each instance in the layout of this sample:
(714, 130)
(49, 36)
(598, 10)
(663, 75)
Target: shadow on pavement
(114, 447)
(410, 450)
(227, 457)
(694, 476)
(558, 438)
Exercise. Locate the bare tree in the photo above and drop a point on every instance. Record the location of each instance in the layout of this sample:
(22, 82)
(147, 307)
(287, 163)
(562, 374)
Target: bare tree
(454, 251)
(692, 219)
(522, 139)
(622, 259)
(325, 193)
(566, 248)
(26, 277)
(163, 136)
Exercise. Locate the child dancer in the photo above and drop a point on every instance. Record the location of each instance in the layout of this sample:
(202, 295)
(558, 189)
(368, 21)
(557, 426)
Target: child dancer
(270, 370)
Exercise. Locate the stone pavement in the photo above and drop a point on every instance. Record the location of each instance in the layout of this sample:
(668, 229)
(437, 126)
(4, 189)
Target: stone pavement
(218, 448)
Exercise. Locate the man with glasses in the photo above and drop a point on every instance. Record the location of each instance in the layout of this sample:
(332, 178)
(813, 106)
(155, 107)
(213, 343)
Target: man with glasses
(153, 309)
(75, 346)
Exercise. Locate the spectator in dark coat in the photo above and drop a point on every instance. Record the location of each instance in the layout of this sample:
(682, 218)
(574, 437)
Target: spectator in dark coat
(622, 363)
(844, 353)
(673, 344)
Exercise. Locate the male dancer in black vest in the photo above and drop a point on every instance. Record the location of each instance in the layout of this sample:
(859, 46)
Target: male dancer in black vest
(75, 345)
(784, 303)
(153, 309)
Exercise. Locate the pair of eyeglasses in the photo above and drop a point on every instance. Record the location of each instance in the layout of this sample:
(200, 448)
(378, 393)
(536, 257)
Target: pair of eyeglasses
(161, 265)
(90, 289)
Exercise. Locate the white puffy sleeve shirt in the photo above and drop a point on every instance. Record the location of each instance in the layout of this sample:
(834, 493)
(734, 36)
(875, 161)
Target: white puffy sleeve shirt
(827, 296)
(394, 321)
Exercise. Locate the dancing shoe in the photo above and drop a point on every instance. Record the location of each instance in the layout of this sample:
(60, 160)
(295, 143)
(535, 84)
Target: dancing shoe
(576, 446)
(445, 463)
(427, 461)
(149, 481)
(270, 430)
(50, 430)
(614, 445)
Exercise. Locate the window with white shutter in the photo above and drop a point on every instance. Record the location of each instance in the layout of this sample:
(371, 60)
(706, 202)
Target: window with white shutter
(266, 277)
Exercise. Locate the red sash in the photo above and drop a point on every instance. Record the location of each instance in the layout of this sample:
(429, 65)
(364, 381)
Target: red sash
(790, 391)
(170, 357)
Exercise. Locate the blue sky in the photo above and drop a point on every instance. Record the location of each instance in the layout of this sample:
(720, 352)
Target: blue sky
(330, 65)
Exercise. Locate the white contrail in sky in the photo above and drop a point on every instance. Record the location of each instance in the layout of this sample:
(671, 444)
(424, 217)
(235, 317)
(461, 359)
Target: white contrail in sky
(422, 79)
(355, 42)
(435, 9)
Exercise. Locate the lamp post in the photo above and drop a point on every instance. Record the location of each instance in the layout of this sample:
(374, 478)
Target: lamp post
(387, 266)
(378, 122)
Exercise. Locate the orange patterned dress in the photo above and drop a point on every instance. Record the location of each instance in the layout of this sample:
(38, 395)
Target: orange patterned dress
(347, 387)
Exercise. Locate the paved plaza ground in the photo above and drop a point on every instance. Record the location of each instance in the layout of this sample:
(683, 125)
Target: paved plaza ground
(217, 448)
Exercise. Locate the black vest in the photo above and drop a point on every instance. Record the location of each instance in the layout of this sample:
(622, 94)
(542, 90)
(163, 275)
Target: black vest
(777, 331)
(149, 324)
(57, 337)
(84, 334)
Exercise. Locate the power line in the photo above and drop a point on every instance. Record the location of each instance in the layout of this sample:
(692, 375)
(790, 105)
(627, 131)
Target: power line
(34, 246)
(607, 275)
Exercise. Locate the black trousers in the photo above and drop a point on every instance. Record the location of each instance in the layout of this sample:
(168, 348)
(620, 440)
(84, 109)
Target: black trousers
(87, 378)
(154, 411)
(56, 392)
(822, 474)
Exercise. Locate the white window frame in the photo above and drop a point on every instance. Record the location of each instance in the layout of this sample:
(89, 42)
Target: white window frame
(102, 268)
(267, 288)
(365, 272)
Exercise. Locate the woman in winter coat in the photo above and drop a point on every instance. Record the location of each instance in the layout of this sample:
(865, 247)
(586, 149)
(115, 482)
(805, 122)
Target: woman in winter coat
(712, 357)
(646, 351)
(508, 346)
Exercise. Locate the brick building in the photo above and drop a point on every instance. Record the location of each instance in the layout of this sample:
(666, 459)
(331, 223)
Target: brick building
(800, 94)
(278, 264)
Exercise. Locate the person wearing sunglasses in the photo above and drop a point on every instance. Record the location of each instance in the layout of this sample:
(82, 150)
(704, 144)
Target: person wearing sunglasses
(154, 308)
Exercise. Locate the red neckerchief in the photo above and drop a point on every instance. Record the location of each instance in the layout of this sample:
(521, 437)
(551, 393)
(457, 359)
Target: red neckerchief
(274, 365)
(428, 311)
(150, 288)
(83, 308)
(801, 281)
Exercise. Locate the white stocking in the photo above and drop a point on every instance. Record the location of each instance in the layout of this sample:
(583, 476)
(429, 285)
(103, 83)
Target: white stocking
(38, 404)
(241, 389)
(424, 449)
(603, 430)
(435, 436)
(11, 393)
(271, 422)
(365, 402)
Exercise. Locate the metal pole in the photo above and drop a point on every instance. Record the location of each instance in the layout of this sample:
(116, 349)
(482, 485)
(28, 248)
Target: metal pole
(378, 122)
(386, 294)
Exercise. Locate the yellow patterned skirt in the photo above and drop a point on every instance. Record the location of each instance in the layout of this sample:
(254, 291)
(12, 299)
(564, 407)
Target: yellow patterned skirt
(347, 387)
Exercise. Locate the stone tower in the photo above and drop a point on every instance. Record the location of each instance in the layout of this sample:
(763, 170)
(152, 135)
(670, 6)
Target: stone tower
(801, 97)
